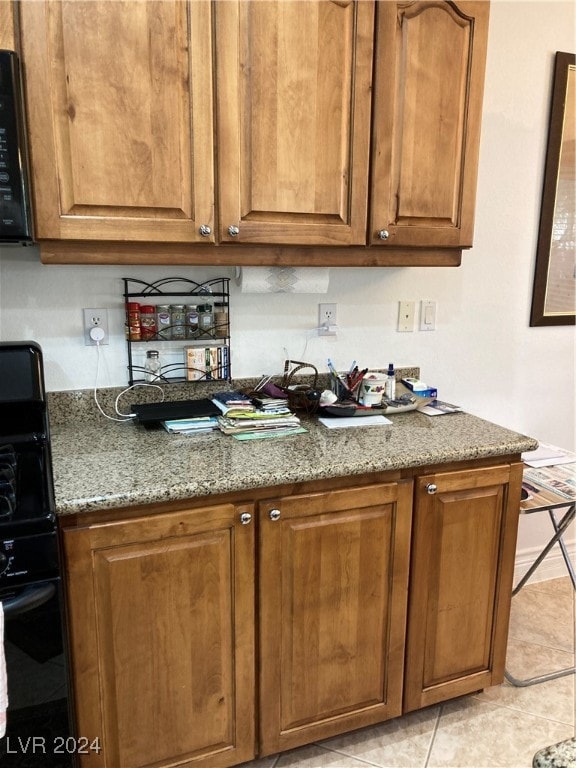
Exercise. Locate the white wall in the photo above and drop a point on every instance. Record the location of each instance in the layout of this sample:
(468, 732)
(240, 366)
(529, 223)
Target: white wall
(483, 354)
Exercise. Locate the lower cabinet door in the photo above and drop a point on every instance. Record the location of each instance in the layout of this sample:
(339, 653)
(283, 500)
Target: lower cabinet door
(464, 540)
(161, 617)
(333, 592)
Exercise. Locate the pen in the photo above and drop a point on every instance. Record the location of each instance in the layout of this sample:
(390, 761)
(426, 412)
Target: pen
(338, 377)
(358, 378)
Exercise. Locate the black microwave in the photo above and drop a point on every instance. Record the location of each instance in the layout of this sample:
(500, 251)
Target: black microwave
(15, 210)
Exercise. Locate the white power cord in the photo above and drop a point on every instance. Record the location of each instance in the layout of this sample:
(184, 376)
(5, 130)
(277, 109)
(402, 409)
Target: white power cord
(97, 337)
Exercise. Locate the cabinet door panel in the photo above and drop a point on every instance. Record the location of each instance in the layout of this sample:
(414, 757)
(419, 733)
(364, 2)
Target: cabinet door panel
(120, 119)
(428, 99)
(333, 591)
(293, 120)
(462, 566)
(162, 646)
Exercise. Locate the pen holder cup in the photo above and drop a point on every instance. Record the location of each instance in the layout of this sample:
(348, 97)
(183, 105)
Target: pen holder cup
(372, 388)
(301, 397)
(341, 390)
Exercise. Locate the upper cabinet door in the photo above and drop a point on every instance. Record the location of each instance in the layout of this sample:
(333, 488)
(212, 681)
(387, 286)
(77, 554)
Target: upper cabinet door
(119, 102)
(293, 120)
(429, 80)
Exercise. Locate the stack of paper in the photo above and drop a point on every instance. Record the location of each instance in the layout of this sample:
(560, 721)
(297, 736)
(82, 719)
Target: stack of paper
(548, 456)
(233, 402)
(193, 426)
(248, 419)
(272, 404)
(260, 423)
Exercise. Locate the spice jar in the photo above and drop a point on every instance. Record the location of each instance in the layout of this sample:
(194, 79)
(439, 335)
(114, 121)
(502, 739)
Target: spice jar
(133, 321)
(206, 320)
(191, 321)
(147, 321)
(178, 321)
(221, 327)
(152, 366)
(163, 321)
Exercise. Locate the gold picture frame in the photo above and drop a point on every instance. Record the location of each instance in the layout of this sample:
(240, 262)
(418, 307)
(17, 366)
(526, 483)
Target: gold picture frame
(554, 293)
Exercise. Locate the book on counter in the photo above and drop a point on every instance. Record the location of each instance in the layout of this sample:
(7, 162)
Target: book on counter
(193, 426)
(438, 408)
(233, 402)
(272, 404)
(208, 363)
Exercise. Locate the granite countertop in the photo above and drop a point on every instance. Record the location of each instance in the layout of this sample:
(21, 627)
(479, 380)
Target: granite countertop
(561, 755)
(101, 464)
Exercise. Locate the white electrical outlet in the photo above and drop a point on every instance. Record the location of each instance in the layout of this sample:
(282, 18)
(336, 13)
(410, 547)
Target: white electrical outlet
(406, 316)
(326, 319)
(95, 321)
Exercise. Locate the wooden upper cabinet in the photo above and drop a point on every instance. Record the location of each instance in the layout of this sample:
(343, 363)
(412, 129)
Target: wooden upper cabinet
(324, 126)
(119, 103)
(293, 120)
(429, 78)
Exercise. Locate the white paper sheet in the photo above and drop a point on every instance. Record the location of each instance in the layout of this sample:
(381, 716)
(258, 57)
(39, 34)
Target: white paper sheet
(354, 421)
(548, 456)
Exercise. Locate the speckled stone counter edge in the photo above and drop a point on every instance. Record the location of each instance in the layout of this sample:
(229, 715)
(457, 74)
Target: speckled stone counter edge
(561, 755)
(66, 407)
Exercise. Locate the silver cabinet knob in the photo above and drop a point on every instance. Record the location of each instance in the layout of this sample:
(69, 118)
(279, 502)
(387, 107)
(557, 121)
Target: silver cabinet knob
(233, 230)
(274, 514)
(431, 488)
(383, 234)
(245, 518)
(205, 230)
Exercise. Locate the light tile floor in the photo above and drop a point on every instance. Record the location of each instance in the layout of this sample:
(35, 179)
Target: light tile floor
(501, 727)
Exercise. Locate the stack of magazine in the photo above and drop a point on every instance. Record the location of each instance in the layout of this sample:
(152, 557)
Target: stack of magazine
(247, 419)
(196, 425)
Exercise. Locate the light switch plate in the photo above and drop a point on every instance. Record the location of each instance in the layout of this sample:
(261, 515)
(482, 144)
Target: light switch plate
(427, 315)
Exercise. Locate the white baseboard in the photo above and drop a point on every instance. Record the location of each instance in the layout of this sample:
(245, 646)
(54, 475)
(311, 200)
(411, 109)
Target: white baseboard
(552, 567)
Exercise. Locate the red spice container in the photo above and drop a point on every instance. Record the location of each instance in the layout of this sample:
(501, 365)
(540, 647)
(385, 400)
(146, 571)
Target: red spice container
(133, 321)
(148, 328)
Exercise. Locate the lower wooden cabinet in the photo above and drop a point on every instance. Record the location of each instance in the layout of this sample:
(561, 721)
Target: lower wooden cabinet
(333, 591)
(161, 624)
(464, 540)
(340, 607)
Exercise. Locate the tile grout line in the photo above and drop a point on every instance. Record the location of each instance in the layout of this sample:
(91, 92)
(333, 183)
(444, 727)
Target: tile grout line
(523, 712)
(433, 739)
(345, 754)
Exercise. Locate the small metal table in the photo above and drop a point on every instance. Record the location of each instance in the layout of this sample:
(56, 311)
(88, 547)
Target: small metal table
(553, 490)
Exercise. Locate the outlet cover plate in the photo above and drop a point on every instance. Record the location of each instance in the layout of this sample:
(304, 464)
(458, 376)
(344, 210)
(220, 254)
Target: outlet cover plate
(95, 318)
(406, 311)
(326, 319)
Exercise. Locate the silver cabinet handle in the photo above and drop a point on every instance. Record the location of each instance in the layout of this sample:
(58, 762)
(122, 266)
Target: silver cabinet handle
(233, 230)
(274, 514)
(245, 518)
(205, 230)
(383, 234)
(431, 488)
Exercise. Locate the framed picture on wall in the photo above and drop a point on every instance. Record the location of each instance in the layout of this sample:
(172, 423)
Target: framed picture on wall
(554, 294)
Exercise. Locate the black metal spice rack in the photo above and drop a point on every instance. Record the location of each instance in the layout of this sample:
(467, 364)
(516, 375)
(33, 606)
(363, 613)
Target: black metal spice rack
(214, 290)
